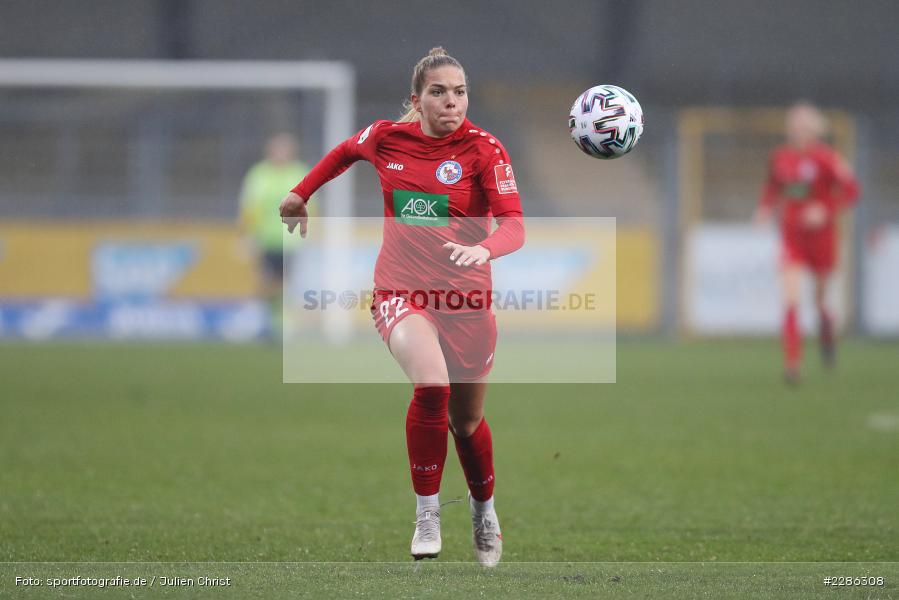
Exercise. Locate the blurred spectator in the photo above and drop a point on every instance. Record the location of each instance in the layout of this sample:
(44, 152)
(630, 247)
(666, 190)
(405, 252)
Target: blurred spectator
(264, 186)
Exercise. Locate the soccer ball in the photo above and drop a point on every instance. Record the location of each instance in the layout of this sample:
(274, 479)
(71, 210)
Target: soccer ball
(606, 121)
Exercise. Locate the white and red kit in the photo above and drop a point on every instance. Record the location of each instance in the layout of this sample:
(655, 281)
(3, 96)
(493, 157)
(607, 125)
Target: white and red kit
(796, 178)
(436, 190)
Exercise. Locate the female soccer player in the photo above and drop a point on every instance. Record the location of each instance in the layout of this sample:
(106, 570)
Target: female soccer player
(442, 177)
(809, 183)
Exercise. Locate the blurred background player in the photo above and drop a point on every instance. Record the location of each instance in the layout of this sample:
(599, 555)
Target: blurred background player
(459, 175)
(261, 193)
(808, 184)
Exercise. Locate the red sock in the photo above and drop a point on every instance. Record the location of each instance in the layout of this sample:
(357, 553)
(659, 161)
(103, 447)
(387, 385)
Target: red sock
(826, 329)
(476, 455)
(792, 339)
(427, 422)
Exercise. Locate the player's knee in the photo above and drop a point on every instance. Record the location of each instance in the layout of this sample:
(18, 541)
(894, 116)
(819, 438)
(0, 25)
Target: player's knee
(464, 426)
(430, 376)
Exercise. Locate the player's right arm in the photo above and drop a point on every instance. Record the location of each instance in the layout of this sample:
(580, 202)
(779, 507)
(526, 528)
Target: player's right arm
(361, 146)
(770, 195)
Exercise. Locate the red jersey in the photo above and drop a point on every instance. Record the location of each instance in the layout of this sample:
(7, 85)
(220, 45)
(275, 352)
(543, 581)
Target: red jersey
(798, 177)
(435, 190)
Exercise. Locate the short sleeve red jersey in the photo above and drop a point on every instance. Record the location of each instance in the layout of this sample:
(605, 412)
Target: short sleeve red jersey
(797, 177)
(435, 190)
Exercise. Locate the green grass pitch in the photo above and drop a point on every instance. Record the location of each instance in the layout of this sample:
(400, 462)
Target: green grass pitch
(698, 474)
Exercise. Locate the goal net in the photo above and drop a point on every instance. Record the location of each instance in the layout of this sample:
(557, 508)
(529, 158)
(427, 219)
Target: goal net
(120, 185)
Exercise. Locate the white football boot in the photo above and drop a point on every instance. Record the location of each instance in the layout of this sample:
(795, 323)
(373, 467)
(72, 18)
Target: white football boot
(426, 541)
(488, 539)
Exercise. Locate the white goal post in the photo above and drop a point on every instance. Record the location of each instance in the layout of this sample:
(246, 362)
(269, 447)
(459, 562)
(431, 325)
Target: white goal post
(335, 79)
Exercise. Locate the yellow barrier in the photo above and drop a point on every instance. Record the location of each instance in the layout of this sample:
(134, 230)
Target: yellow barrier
(54, 259)
(41, 259)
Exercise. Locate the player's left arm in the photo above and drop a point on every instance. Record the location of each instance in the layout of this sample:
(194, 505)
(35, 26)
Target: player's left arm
(770, 198)
(249, 204)
(845, 189)
(497, 180)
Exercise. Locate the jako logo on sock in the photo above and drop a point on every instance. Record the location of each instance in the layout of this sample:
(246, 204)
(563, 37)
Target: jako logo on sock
(485, 482)
(424, 468)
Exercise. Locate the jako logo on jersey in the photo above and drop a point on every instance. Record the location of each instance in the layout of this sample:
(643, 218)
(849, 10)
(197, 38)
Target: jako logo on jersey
(449, 172)
(395, 166)
(364, 135)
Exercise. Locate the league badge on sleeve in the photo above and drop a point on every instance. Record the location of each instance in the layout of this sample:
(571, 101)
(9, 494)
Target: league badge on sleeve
(505, 179)
(449, 172)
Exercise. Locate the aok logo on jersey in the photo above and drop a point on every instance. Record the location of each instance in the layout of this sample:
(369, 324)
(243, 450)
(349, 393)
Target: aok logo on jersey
(419, 208)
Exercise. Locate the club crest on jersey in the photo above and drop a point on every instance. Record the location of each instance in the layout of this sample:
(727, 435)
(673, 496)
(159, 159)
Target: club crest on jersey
(449, 172)
(807, 170)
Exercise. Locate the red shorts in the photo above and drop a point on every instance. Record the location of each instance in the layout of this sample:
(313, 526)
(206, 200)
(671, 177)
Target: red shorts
(468, 339)
(816, 252)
